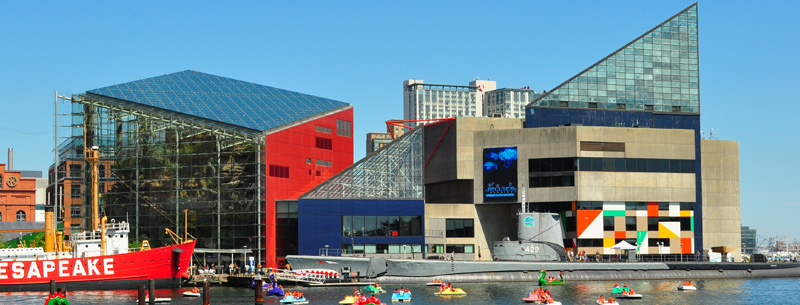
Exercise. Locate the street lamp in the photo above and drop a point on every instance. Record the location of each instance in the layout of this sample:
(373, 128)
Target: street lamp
(681, 252)
(660, 249)
(244, 258)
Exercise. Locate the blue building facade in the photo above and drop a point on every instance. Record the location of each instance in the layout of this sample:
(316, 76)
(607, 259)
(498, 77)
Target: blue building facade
(361, 226)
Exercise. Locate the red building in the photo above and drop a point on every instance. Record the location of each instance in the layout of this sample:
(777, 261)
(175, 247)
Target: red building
(233, 155)
(298, 158)
(17, 196)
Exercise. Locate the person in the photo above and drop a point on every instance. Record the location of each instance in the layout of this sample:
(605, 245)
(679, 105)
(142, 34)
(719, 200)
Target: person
(601, 300)
(288, 267)
(610, 300)
(408, 292)
(195, 290)
(631, 292)
(373, 299)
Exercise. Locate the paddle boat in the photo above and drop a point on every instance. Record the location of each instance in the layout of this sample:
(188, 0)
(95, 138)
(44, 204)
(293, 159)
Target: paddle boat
(292, 299)
(348, 299)
(609, 302)
(401, 296)
(159, 300)
(434, 283)
(629, 296)
(450, 291)
(687, 285)
(372, 300)
(194, 293)
(545, 280)
(373, 288)
(532, 298)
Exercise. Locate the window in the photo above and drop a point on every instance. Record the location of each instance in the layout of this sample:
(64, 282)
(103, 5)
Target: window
(324, 129)
(381, 225)
(101, 171)
(20, 215)
(74, 170)
(686, 223)
(630, 223)
(324, 163)
(343, 128)
(75, 190)
(1, 216)
(75, 212)
(279, 171)
(463, 248)
(460, 228)
(608, 223)
(324, 143)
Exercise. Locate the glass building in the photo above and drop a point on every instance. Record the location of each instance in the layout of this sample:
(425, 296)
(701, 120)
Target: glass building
(657, 72)
(508, 103)
(652, 82)
(221, 150)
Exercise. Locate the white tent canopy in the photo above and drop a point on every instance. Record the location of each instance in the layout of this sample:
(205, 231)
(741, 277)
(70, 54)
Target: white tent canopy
(623, 245)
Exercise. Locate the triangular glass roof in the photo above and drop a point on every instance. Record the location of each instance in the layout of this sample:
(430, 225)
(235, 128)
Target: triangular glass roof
(657, 71)
(221, 99)
(394, 171)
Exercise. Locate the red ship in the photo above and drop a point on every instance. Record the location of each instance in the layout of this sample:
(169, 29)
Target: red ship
(94, 260)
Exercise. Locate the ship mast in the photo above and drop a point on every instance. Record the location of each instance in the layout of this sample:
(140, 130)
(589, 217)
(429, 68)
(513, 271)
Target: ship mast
(93, 156)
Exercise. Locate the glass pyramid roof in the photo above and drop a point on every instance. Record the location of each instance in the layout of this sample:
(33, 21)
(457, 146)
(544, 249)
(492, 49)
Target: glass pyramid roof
(657, 71)
(221, 99)
(394, 171)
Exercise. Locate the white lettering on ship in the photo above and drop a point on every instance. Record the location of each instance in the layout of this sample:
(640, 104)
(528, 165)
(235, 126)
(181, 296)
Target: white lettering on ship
(48, 269)
(93, 266)
(19, 270)
(48, 266)
(62, 268)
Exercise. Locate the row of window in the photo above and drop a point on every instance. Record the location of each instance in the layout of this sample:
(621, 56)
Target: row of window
(343, 128)
(549, 165)
(324, 163)
(452, 248)
(598, 242)
(652, 223)
(21, 216)
(381, 225)
(381, 248)
(633, 206)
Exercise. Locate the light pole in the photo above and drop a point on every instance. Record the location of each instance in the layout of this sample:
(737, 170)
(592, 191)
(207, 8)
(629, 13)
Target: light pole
(244, 258)
(681, 252)
(660, 249)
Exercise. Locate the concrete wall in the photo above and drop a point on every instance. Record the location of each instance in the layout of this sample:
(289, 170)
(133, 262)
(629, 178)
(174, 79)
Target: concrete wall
(721, 201)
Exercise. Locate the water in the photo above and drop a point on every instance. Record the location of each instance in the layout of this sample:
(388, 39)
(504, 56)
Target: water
(732, 291)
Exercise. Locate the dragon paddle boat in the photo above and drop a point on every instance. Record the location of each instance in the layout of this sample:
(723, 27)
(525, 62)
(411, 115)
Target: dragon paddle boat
(687, 285)
(545, 280)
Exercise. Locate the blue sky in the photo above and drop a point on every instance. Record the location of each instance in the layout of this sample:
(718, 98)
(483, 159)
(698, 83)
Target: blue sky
(359, 52)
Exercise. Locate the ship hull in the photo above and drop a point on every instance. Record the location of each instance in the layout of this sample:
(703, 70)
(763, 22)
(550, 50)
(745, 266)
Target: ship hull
(166, 265)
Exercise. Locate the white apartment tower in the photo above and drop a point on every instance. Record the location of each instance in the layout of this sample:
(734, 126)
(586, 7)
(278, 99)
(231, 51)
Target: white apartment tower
(480, 98)
(432, 101)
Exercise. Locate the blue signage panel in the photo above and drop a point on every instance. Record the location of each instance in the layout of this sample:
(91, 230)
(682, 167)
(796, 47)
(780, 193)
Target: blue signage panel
(500, 174)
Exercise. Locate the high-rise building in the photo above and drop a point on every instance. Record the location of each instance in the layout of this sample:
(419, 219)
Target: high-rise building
(432, 101)
(376, 140)
(748, 240)
(508, 103)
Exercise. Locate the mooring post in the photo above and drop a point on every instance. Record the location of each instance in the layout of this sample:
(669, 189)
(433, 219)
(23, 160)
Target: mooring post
(152, 283)
(257, 287)
(52, 287)
(206, 293)
(142, 294)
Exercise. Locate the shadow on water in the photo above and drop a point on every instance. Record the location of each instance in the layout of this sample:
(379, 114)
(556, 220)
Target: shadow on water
(733, 291)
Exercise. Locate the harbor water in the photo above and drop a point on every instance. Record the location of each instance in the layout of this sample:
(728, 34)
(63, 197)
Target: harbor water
(716, 291)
